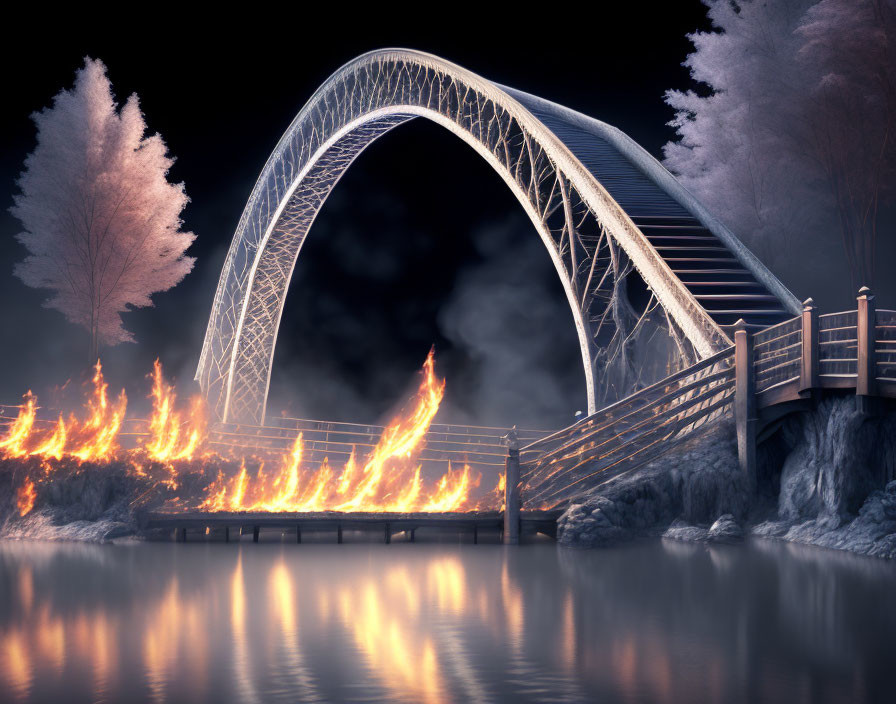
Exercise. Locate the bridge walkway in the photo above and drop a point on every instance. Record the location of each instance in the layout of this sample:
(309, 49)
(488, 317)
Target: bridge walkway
(762, 378)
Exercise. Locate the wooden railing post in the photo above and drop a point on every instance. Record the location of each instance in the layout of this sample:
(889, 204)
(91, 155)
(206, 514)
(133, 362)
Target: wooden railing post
(745, 402)
(809, 365)
(865, 359)
(512, 489)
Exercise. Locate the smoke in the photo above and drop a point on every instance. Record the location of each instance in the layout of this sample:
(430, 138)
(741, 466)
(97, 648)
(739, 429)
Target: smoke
(361, 315)
(401, 259)
(508, 319)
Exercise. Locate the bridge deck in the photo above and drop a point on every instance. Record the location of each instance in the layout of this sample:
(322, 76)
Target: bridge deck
(390, 523)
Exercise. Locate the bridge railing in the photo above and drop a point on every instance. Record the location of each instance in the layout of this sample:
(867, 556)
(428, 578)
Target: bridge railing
(627, 434)
(479, 446)
(838, 344)
(848, 350)
(777, 352)
(885, 347)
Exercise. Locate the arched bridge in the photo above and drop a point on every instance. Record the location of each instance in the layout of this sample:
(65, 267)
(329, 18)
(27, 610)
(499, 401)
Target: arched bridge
(604, 208)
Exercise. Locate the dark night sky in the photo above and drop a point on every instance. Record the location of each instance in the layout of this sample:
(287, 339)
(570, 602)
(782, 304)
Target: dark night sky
(420, 243)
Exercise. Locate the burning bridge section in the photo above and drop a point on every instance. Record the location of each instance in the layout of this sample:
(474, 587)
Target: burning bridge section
(175, 462)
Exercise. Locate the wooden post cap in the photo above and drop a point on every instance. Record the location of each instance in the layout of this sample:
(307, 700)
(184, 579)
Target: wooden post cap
(864, 292)
(740, 325)
(808, 303)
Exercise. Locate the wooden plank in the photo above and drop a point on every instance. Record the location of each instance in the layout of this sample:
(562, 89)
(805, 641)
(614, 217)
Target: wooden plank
(779, 393)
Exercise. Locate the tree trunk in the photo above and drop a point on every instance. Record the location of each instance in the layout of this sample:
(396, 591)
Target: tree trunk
(94, 346)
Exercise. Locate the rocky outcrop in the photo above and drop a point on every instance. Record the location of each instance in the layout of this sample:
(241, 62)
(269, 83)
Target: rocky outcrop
(694, 483)
(834, 462)
(823, 481)
(725, 530)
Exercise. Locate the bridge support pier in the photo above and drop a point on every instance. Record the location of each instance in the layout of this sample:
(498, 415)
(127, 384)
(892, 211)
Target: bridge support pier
(512, 490)
(745, 403)
(866, 383)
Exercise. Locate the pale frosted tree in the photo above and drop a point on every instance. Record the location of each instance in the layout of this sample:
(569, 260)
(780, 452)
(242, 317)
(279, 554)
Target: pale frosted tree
(792, 144)
(101, 221)
(848, 52)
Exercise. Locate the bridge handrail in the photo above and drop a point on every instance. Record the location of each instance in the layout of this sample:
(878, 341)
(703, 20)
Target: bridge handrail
(885, 346)
(381, 427)
(761, 338)
(670, 411)
(631, 429)
(672, 378)
(670, 431)
(670, 397)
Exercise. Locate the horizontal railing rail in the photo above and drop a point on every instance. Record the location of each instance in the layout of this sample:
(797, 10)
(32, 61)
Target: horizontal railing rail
(625, 435)
(786, 362)
(885, 346)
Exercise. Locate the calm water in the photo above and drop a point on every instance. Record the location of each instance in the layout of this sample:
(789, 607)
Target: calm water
(437, 623)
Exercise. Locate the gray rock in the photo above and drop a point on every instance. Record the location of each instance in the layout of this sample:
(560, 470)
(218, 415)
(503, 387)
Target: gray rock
(825, 479)
(697, 481)
(726, 530)
(679, 530)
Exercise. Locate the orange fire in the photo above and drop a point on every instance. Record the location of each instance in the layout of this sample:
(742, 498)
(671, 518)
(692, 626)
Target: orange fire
(13, 445)
(389, 479)
(172, 436)
(94, 439)
(168, 441)
(25, 497)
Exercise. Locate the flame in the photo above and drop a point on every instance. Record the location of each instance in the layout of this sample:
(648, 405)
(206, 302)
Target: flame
(25, 497)
(167, 442)
(389, 478)
(94, 439)
(100, 430)
(451, 491)
(499, 490)
(54, 445)
(13, 444)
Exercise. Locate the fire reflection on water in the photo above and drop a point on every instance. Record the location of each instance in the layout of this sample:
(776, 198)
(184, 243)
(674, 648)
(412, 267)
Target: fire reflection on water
(426, 623)
(245, 685)
(385, 615)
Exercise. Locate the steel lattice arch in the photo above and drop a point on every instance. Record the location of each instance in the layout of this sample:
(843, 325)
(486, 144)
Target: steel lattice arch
(603, 207)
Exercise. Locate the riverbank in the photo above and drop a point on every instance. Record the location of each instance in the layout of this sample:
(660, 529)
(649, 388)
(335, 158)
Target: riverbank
(822, 481)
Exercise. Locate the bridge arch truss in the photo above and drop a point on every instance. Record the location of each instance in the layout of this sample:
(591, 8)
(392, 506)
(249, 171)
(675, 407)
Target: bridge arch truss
(538, 150)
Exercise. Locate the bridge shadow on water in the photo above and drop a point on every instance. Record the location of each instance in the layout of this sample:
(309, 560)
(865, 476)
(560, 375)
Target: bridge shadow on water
(655, 621)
